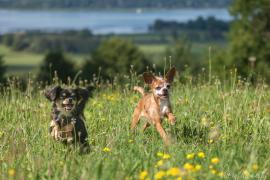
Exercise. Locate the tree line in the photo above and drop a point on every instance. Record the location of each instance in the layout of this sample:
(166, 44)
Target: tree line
(206, 29)
(81, 41)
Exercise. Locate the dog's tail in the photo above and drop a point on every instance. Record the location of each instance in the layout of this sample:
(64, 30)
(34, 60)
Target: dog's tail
(139, 89)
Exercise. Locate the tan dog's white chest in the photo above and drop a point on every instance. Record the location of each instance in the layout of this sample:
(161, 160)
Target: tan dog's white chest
(164, 107)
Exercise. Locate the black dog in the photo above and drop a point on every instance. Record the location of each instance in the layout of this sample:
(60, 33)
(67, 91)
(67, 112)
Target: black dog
(67, 123)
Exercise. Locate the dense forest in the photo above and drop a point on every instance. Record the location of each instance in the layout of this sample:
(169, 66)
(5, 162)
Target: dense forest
(113, 3)
(201, 29)
(205, 24)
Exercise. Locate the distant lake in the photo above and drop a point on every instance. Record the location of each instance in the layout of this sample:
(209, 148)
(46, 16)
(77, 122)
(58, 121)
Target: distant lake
(99, 22)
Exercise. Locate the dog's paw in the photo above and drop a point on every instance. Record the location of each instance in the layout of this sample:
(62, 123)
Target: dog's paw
(85, 148)
(54, 131)
(55, 134)
(172, 119)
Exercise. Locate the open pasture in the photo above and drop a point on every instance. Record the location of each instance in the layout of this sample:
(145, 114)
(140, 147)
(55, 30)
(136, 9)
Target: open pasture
(22, 62)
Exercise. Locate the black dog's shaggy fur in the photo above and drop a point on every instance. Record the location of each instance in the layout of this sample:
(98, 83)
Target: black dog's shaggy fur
(67, 118)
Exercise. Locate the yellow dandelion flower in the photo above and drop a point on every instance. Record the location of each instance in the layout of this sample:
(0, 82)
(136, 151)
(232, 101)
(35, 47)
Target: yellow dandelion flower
(210, 141)
(143, 175)
(221, 174)
(174, 171)
(11, 172)
(106, 149)
(215, 160)
(179, 178)
(204, 121)
(198, 167)
(99, 105)
(166, 156)
(61, 163)
(255, 167)
(190, 156)
(160, 154)
(211, 167)
(112, 97)
(130, 141)
(94, 102)
(213, 171)
(159, 163)
(160, 174)
(1, 134)
(246, 173)
(201, 155)
(188, 166)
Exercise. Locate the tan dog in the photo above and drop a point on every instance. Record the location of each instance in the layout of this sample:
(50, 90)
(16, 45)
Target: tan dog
(156, 105)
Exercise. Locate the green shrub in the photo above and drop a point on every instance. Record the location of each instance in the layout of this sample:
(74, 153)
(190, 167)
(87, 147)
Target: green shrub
(2, 69)
(249, 38)
(114, 56)
(56, 63)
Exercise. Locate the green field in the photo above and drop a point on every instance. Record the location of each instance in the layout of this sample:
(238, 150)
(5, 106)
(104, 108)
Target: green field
(222, 132)
(21, 62)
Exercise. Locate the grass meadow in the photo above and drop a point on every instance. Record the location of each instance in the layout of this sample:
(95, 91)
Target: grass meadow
(22, 62)
(222, 132)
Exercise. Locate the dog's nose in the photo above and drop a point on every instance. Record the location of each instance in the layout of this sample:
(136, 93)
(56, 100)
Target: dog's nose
(70, 100)
(165, 91)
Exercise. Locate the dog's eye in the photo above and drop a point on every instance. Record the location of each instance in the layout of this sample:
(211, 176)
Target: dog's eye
(73, 96)
(168, 86)
(158, 88)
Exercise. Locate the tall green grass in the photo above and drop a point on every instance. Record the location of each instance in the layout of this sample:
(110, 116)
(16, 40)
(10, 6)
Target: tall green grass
(228, 122)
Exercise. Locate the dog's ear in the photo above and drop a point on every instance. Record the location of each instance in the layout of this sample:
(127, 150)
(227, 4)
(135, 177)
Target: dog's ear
(90, 89)
(170, 74)
(148, 77)
(52, 93)
(83, 93)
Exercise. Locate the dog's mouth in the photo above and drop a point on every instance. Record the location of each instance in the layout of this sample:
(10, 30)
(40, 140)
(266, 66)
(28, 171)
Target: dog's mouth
(68, 107)
(164, 95)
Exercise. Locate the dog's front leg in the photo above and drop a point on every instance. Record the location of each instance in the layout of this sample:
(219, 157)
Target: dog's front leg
(135, 118)
(162, 132)
(171, 118)
(54, 130)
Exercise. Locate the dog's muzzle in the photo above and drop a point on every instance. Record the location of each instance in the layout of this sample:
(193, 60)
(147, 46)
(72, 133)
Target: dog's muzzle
(68, 104)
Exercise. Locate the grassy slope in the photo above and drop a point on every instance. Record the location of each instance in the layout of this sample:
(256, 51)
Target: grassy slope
(238, 114)
(19, 58)
(197, 48)
(23, 62)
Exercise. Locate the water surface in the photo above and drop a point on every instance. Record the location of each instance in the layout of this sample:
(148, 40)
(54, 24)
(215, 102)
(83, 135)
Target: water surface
(100, 22)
